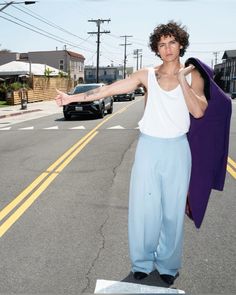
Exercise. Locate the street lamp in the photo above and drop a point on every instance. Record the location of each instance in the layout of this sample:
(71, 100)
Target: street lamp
(15, 2)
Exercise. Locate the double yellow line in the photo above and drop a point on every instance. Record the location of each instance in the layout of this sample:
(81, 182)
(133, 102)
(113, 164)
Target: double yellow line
(231, 167)
(13, 211)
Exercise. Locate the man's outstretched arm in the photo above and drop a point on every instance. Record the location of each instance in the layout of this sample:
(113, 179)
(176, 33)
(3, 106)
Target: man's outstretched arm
(123, 86)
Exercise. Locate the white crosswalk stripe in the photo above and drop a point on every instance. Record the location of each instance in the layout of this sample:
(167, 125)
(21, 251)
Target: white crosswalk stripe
(6, 128)
(116, 127)
(51, 128)
(81, 127)
(77, 127)
(27, 128)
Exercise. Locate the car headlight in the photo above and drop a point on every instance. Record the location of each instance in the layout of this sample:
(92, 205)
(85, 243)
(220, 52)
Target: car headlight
(96, 102)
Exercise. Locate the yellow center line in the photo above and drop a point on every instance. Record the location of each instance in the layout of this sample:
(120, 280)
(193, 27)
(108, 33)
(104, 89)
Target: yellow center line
(71, 157)
(17, 214)
(231, 161)
(22, 195)
(63, 161)
(231, 170)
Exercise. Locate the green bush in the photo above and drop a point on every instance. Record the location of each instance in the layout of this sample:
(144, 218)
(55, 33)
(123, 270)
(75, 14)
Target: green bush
(15, 86)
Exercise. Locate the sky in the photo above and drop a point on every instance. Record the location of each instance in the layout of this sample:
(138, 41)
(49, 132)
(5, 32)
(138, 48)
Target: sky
(210, 23)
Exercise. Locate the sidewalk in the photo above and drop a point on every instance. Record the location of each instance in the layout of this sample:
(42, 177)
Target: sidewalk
(45, 107)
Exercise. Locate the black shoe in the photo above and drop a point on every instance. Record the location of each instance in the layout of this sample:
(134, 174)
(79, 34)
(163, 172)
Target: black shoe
(138, 275)
(168, 279)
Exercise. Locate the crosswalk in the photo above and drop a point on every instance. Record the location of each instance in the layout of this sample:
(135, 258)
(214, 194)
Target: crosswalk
(56, 127)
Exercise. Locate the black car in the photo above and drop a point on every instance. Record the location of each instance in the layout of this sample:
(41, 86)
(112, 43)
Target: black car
(97, 107)
(124, 96)
(139, 91)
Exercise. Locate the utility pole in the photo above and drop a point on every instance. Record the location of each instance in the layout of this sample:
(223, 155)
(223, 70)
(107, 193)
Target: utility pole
(215, 53)
(141, 60)
(98, 22)
(136, 55)
(125, 56)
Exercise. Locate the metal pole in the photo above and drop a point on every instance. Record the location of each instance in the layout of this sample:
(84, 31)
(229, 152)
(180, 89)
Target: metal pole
(98, 22)
(98, 50)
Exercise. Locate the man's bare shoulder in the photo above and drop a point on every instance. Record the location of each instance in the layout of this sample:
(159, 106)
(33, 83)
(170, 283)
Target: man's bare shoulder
(142, 71)
(197, 81)
(140, 76)
(196, 76)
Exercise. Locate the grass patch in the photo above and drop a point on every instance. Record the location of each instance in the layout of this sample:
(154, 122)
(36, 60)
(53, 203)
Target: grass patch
(3, 103)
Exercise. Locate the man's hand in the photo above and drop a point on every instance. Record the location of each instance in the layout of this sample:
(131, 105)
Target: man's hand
(62, 98)
(183, 72)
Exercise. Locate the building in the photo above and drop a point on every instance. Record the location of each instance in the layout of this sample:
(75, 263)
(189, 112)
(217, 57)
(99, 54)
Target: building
(225, 72)
(64, 60)
(107, 74)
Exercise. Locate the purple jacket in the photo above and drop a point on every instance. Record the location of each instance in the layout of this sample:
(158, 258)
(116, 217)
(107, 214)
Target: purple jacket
(209, 141)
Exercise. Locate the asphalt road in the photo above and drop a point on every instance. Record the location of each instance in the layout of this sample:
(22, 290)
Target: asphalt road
(69, 226)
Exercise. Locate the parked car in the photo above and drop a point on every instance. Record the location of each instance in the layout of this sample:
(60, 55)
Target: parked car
(97, 107)
(124, 96)
(139, 91)
(233, 95)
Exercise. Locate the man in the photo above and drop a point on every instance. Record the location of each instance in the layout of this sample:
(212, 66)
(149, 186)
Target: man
(162, 167)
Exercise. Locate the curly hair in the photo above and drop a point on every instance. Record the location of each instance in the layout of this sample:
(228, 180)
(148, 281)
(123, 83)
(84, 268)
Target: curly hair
(171, 29)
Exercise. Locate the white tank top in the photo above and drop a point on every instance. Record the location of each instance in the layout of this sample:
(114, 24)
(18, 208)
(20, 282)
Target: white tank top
(166, 114)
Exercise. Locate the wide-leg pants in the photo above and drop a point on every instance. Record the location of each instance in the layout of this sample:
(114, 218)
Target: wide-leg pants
(158, 189)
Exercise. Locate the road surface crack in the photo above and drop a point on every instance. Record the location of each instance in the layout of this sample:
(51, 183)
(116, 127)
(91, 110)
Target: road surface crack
(87, 275)
(116, 168)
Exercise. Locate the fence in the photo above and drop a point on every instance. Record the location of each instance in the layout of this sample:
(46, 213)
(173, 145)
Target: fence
(44, 88)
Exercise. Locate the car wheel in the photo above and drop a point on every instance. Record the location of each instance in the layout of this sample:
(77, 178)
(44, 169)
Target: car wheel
(67, 116)
(102, 112)
(110, 111)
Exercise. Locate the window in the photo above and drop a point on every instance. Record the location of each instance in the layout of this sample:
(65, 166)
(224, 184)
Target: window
(61, 64)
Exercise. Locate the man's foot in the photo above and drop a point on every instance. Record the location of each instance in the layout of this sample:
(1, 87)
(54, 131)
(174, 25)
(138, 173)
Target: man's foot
(168, 279)
(138, 275)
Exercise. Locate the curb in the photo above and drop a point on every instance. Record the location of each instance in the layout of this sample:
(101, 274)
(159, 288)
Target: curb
(19, 113)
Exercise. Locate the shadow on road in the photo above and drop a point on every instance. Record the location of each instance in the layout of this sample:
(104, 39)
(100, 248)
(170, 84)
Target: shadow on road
(152, 280)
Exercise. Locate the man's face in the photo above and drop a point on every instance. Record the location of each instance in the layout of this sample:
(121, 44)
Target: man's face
(168, 48)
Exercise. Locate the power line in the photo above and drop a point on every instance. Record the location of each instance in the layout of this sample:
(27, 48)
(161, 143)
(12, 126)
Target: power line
(49, 23)
(50, 34)
(43, 34)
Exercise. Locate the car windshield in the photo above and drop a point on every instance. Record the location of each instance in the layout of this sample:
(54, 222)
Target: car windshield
(84, 88)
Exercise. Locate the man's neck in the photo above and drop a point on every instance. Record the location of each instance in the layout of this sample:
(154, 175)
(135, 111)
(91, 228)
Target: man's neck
(170, 68)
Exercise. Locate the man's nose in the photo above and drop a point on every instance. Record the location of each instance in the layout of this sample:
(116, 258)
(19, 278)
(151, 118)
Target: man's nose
(168, 48)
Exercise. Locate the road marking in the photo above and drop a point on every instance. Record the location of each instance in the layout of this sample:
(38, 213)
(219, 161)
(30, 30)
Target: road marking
(231, 166)
(116, 287)
(77, 127)
(6, 128)
(71, 128)
(22, 195)
(51, 128)
(116, 127)
(27, 128)
(231, 162)
(50, 174)
(33, 197)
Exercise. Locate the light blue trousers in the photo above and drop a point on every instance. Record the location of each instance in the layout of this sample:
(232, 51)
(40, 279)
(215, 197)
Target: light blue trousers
(158, 190)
